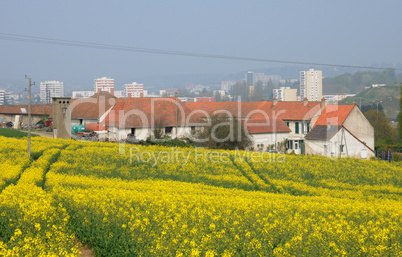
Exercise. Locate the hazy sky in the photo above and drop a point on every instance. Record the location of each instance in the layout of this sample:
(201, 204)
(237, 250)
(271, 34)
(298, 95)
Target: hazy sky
(355, 32)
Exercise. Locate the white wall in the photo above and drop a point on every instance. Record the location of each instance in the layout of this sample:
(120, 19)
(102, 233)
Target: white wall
(84, 121)
(292, 127)
(267, 139)
(142, 133)
(359, 126)
(352, 146)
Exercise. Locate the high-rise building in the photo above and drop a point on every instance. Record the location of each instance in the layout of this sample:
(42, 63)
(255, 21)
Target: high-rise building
(134, 90)
(285, 94)
(2, 97)
(311, 85)
(250, 78)
(49, 89)
(104, 84)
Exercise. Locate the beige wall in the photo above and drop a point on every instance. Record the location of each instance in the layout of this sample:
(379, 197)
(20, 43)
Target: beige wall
(62, 120)
(11, 117)
(331, 148)
(292, 127)
(359, 126)
(290, 94)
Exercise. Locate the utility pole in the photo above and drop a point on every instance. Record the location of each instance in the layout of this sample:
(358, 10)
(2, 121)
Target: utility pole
(29, 116)
(176, 112)
(377, 105)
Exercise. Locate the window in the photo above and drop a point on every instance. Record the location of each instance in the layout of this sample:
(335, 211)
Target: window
(290, 145)
(287, 123)
(81, 120)
(308, 127)
(168, 130)
(192, 130)
(302, 127)
(297, 127)
(341, 148)
(133, 131)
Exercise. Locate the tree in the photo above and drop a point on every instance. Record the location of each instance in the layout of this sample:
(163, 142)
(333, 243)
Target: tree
(158, 129)
(372, 106)
(400, 117)
(258, 92)
(240, 89)
(268, 90)
(218, 97)
(223, 133)
(382, 129)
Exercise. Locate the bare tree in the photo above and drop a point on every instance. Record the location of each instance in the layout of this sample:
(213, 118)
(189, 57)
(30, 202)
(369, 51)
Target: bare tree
(158, 129)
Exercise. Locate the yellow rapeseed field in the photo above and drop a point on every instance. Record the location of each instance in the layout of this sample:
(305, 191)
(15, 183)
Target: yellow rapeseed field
(130, 200)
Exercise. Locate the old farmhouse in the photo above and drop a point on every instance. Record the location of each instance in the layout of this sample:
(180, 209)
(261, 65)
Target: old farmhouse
(304, 127)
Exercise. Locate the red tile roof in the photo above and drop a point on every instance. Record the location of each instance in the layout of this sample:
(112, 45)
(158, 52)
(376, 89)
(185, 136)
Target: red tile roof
(145, 112)
(256, 126)
(236, 109)
(93, 107)
(43, 109)
(334, 114)
(261, 110)
(295, 110)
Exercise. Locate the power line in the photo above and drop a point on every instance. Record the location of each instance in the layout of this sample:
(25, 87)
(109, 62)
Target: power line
(53, 41)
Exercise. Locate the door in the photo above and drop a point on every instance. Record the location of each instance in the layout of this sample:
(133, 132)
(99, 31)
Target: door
(302, 147)
(364, 153)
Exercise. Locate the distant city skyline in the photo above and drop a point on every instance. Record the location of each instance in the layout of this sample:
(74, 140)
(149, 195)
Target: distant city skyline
(342, 32)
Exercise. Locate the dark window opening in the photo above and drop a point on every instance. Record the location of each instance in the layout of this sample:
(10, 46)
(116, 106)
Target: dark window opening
(168, 130)
(297, 127)
(133, 131)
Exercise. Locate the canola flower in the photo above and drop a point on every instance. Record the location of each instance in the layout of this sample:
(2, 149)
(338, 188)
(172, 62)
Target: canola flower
(237, 206)
(31, 222)
(165, 218)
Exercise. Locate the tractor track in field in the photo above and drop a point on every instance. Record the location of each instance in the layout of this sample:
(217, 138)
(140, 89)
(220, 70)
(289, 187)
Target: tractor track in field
(254, 179)
(54, 160)
(266, 181)
(244, 174)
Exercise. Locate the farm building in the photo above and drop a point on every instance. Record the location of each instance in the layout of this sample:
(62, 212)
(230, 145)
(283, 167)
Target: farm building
(20, 112)
(341, 131)
(141, 117)
(300, 117)
(306, 127)
(270, 123)
(93, 109)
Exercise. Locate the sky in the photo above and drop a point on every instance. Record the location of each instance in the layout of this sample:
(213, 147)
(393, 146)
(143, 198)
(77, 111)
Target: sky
(358, 32)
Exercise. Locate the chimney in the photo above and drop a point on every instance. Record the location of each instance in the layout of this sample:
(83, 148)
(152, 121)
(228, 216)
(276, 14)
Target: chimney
(275, 101)
(323, 102)
(305, 101)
